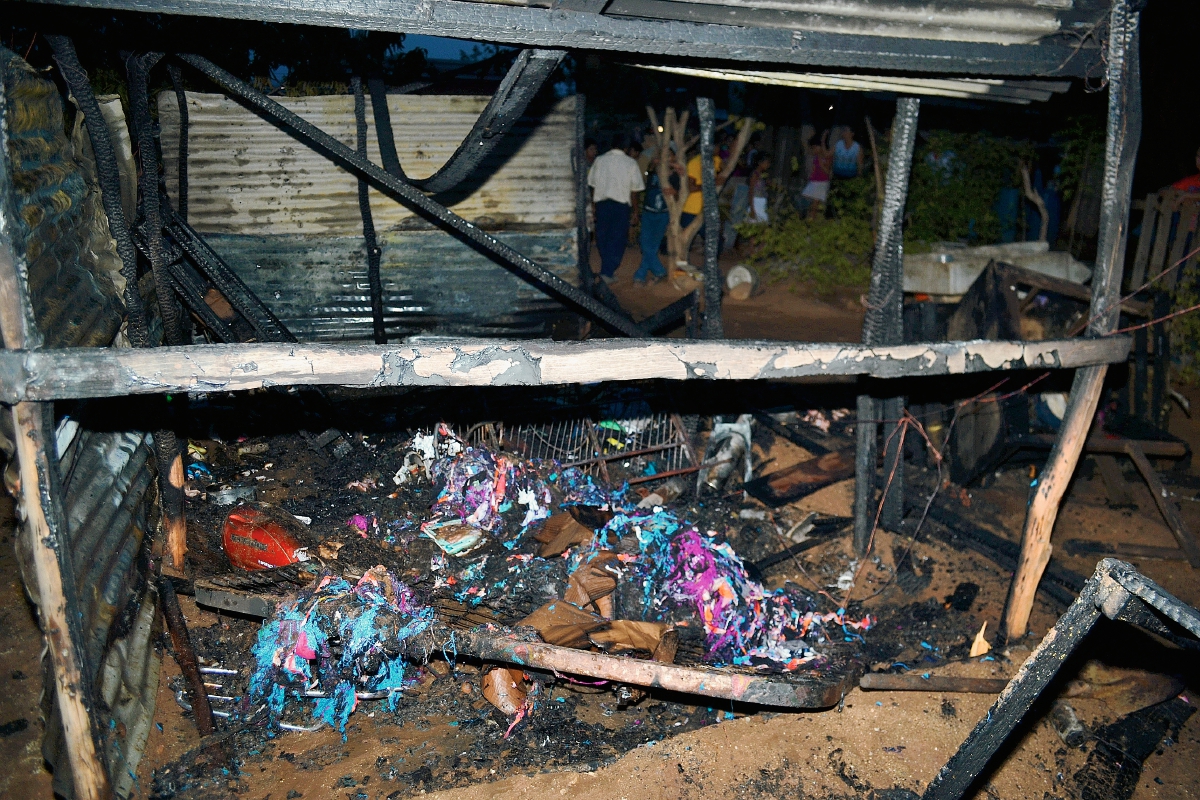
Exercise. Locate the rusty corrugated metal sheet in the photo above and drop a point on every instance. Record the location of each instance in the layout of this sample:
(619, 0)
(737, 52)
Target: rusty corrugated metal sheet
(432, 283)
(248, 177)
(106, 481)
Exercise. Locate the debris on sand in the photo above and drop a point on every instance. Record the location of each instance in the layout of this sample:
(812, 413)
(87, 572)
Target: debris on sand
(477, 488)
(335, 641)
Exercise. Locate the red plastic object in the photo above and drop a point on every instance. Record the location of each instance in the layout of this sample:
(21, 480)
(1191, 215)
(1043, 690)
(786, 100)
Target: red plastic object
(260, 536)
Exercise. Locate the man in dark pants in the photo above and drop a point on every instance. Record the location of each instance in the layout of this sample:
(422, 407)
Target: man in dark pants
(615, 178)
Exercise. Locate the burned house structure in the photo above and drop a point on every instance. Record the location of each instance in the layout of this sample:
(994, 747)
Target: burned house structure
(184, 277)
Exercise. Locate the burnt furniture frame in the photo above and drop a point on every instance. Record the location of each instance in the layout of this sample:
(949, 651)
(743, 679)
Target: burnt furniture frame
(1116, 590)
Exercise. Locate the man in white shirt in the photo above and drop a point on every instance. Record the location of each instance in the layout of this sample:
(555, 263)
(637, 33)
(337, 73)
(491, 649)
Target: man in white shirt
(615, 178)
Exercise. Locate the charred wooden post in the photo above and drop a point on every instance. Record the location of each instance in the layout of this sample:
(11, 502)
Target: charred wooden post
(884, 325)
(185, 656)
(583, 241)
(713, 327)
(166, 444)
(1124, 133)
(916, 682)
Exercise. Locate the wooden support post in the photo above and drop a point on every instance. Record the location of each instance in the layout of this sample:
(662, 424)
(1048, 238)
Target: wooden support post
(169, 455)
(713, 326)
(583, 242)
(1124, 134)
(892, 482)
(884, 324)
(1187, 543)
(866, 432)
(1141, 373)
(58, 606)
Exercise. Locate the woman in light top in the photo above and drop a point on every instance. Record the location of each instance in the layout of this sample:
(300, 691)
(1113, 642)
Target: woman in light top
(847, 155)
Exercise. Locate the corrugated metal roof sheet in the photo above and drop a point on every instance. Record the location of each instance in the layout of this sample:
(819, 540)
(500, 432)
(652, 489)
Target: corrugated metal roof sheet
(1004, 91)
(248, 177)
(989, 21)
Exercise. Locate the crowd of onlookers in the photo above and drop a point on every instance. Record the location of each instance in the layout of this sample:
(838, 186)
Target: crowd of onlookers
(621, 171)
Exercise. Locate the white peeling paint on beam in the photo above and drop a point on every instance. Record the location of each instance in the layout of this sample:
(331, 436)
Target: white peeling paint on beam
(87, 372)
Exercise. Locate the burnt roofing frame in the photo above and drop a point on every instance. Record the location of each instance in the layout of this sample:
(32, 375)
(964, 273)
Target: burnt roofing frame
(1061, 55)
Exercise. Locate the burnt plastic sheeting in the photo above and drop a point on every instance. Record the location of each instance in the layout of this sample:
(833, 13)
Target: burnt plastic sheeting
(364, 207)
(206, 260)
(383, 129)
(409, 195)
(524, 80)
(110, 182)
(137, 67)
(181, 202)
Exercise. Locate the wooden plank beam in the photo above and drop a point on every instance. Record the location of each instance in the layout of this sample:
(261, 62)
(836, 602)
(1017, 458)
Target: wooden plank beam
(109, 372)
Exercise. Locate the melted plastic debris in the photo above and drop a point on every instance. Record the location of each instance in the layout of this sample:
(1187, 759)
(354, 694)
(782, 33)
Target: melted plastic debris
(680, 568)
(478, 487)
(338, 638)
(580, 489)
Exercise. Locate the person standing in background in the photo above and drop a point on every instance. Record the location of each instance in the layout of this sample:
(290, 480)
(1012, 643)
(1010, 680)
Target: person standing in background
(847, 155)
(654, 222)
(615, 180)
(694, 205)
(758, 188)
(817, 189)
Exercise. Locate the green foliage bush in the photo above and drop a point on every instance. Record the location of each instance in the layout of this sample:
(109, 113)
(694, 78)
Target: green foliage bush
(1185, 329)
(826, 253)
(956, 178)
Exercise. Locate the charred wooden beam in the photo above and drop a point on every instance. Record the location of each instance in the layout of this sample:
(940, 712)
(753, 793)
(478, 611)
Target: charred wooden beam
(884, 324)
(712, 326)
(103, 372)
(916, 682)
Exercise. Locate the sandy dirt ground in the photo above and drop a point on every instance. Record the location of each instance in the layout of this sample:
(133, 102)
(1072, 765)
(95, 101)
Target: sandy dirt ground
(776, 311)
(874, 742)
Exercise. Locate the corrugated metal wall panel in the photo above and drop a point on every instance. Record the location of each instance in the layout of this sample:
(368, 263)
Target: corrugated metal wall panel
(432, 283)
(107, 478)
(246, 176)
